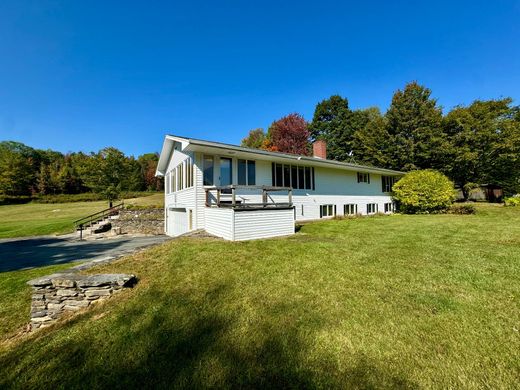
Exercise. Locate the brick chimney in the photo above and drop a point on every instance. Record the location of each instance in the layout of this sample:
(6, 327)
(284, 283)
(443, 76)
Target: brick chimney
(319, 149)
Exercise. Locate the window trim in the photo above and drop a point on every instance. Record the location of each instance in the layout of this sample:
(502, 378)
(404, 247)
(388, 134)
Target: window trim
(350, 206)
(363, 177)
(330, 210)
(376, 208)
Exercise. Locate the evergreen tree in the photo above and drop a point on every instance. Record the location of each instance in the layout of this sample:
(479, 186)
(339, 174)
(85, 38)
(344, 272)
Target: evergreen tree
(415, 128)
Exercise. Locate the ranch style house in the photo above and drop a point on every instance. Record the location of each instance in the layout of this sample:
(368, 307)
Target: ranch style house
(240, 193)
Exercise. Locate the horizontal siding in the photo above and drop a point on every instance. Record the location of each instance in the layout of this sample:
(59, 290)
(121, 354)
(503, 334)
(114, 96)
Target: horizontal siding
(219, 222)
(311, 202)
(255, 224)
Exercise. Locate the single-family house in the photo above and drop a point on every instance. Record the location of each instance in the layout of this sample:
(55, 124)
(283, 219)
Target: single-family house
(240, 193)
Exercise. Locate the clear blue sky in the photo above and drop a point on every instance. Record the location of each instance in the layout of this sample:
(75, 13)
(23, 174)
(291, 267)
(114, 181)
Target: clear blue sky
(81, 75)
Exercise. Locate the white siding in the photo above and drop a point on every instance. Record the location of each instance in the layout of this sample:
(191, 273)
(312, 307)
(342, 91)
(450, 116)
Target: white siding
(183, 199)
(263, 224)
(219, 222)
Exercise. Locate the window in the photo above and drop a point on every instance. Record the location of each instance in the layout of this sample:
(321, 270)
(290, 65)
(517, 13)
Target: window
(387, 182)
(327, 210)
(308, 178)
(363, 177)
(226, 172)
(371, 208)
(208, 171)
(350, 209)
(301, 178)
(297, 177)
(294, 176)
(246, 172)
(167, 182)
(279, 176)
(180, 177)
(251, 173)
(389, 207)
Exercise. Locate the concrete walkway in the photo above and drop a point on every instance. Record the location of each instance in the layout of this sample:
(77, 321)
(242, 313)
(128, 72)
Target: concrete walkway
(32, 252)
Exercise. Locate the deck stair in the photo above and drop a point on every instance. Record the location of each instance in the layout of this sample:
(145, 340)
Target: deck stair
(99, 222)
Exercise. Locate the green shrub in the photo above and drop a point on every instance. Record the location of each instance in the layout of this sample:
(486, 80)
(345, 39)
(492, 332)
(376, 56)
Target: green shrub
(462, 208)
(423, 192)
(513, 201)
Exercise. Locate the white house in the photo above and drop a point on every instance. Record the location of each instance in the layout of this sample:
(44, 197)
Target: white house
(240, 193)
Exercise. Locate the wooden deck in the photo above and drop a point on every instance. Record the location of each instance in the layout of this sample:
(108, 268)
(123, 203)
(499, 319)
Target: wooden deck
(227, 197)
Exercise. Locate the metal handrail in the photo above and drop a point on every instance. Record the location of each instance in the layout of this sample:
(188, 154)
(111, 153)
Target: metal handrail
(100, 215)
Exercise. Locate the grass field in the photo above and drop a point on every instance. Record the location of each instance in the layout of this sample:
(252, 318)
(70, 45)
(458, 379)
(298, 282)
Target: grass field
(34, 219)
(397, 301)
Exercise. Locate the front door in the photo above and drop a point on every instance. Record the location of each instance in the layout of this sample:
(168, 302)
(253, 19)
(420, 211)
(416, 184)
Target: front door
(226, 174)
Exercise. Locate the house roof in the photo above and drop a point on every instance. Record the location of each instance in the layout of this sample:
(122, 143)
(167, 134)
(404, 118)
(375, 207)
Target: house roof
(193, 144)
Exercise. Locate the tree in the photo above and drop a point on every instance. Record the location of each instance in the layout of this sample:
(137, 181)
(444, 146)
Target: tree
(255, 139)
(148, 164)
(331, 122)
(484, 140)
(16, 170)
(290, 135)
(370, 144)
(414, 126)
(108, 173)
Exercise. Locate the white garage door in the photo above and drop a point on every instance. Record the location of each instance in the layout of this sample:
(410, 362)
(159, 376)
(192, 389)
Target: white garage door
(177, 222)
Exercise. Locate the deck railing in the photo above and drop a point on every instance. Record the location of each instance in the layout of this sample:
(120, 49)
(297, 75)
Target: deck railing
(235, 196)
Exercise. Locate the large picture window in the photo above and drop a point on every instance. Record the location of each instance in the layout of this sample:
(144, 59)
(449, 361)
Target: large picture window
(295, 176)
(246, 172)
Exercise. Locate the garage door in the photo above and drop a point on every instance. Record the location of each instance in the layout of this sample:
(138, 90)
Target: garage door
(177, 222)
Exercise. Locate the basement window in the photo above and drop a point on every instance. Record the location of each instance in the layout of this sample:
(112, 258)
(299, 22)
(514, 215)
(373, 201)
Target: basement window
(350, 209)
(327, 210)
(371, 208)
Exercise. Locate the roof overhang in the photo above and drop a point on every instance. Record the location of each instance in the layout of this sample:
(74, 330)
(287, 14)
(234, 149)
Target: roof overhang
(196, 145)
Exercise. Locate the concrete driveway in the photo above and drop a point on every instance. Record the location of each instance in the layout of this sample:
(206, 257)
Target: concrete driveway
(23, 253)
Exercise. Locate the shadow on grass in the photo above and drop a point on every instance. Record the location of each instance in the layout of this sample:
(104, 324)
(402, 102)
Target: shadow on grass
(174, 341)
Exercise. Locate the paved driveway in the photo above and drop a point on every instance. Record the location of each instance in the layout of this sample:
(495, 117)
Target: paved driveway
(16, 254)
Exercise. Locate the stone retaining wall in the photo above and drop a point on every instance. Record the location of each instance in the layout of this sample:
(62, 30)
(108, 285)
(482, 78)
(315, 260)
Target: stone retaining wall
(56, 294)
(144, 221)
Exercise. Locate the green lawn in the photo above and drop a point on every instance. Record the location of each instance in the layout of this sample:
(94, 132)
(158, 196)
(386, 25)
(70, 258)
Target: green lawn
(398, 301)
(35, 219)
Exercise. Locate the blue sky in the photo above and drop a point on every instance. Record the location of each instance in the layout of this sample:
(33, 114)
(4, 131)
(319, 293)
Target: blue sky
(81, 75)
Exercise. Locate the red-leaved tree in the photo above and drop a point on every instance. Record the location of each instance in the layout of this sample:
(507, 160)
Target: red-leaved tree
(289, 135)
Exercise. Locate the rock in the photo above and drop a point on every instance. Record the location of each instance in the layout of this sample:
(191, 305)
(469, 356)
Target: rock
(71, 308)
(66, 293)
(92, 293)
(37, 314)
(63, 282)
(55, 306)
(41, 319)
(38, 297)
(105, 279)
(76, 303)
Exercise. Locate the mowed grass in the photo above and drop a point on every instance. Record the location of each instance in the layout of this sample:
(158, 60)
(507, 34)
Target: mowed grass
(35, 219)
(427, 301)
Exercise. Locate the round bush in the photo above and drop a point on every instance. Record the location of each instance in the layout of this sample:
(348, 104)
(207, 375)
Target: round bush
(423, 192)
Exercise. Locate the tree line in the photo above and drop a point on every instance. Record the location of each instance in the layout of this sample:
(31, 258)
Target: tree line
(25, 171)
(473, 145)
